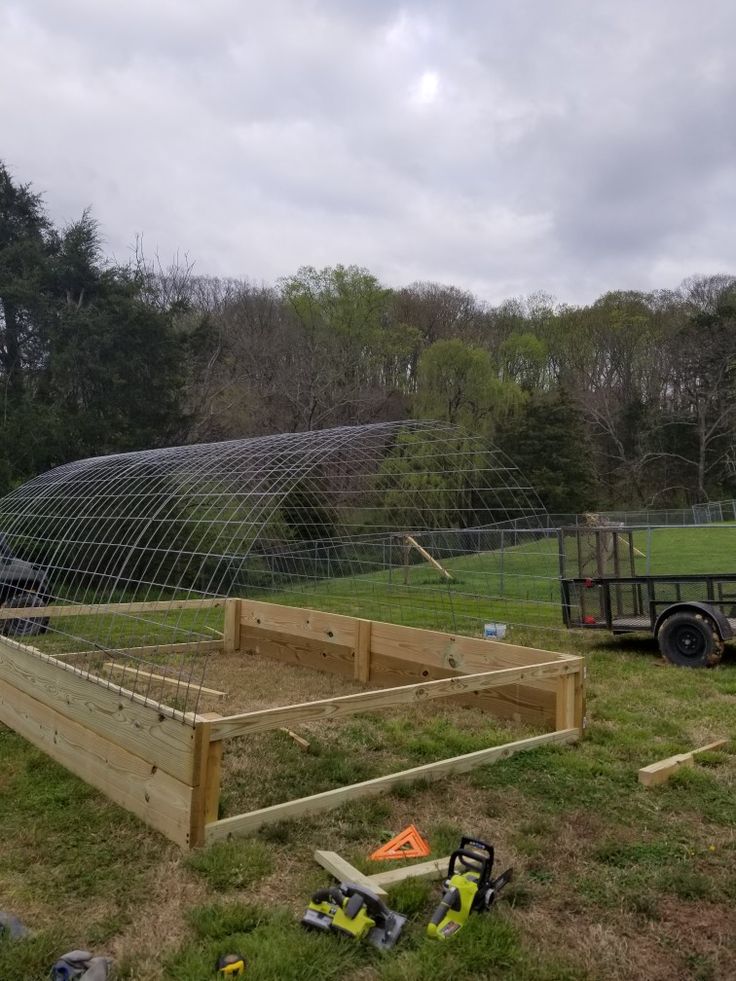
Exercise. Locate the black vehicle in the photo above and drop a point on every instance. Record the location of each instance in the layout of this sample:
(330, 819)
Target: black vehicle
(22, 585)
(691, 616)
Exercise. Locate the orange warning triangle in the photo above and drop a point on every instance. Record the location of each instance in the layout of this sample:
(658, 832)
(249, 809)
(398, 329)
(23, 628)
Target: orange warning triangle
(408, 843)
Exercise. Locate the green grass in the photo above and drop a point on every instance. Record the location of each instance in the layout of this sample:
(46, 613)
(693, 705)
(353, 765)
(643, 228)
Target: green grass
(232, 865)
(608, 875)
(589, 846)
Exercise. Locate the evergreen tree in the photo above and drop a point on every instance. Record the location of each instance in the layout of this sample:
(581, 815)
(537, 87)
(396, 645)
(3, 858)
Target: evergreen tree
(88, 364)
(549, 443)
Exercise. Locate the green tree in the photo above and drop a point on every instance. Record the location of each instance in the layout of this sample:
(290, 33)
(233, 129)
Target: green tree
(347, 353)
(88, 365)
(549, 444)
(115, 370)
(458, 384)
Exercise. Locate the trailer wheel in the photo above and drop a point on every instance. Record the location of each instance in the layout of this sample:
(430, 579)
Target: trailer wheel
(690, 640)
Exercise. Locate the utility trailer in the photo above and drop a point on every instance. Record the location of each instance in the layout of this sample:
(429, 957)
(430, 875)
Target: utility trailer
(691, 616)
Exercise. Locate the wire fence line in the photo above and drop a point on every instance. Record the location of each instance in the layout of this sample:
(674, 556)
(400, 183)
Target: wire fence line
(314, 513)
(711, 512)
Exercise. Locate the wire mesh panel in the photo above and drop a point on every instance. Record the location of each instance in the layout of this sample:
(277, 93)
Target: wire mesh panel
(359, 519)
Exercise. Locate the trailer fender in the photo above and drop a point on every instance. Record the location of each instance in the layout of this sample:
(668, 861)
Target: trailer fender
(725, 632)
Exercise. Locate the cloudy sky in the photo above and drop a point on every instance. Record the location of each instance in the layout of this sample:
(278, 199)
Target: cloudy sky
(505, 146)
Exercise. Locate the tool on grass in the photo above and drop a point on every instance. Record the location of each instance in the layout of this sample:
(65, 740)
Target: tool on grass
(231, 965)
(354, 911)
(81, 965)
(408, 843)
(468, 888)
(12, 927)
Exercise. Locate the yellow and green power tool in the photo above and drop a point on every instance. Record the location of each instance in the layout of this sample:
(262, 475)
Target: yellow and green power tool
(468, 888)
(356, 912)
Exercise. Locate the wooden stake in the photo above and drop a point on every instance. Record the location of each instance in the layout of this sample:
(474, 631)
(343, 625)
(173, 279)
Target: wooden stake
(427, 557)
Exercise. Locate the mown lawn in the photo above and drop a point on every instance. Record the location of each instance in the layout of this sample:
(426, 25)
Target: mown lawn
(611, 881)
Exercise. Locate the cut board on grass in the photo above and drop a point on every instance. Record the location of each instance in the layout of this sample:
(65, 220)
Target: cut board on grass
(342, 870)
(660, 772)
(408, 843)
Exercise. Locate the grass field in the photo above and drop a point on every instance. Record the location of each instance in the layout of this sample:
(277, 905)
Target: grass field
(611, 881)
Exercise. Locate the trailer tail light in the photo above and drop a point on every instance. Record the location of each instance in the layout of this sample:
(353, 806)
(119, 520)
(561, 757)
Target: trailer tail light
(588, 584)
(589, 619)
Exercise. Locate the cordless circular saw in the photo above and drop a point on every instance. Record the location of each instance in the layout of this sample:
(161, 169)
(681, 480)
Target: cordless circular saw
(468, 888)
(356, 912)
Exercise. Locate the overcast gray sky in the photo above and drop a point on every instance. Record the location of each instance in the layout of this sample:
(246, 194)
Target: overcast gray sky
(505, 146)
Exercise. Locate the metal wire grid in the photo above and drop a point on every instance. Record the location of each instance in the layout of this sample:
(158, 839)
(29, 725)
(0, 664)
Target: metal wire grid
(311, 518)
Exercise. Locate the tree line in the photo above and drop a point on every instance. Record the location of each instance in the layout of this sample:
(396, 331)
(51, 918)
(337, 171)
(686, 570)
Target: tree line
(627, 401)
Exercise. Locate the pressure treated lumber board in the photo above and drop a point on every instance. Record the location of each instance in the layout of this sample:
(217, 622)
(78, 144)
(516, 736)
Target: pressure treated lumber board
(362, 664)
(246, 823)
(93, 609)
(159, 799)
(207, 778)
(166, 679)
(453, 651)
(292, 649)
(117, 715)
(150, 651)
(662, 770)
(300, 741)
(371, 701)
(309, 624)
(521, 703)
(231, 632)
(436, 868)
(343, 871)
(468, 654)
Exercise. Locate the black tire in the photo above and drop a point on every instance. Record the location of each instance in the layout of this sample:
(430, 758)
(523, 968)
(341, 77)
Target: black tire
(19, 598)
(690, 640)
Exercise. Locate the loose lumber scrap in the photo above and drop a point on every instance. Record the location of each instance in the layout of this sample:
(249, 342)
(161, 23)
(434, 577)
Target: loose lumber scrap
(380, 881)
(434, 869)
(660, 772)
(166, 679)
(343, 871)
(301, 742)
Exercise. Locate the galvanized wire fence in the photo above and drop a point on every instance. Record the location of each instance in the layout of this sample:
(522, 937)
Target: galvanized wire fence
(308, 517)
